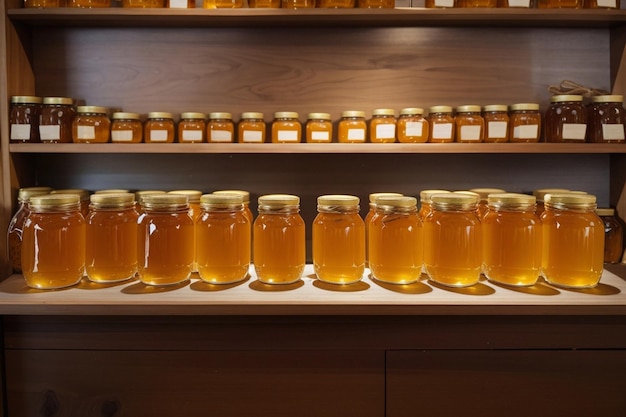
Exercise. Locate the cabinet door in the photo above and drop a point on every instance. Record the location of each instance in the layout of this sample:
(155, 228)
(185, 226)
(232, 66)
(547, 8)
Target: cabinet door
(195, 383)
(506, 383)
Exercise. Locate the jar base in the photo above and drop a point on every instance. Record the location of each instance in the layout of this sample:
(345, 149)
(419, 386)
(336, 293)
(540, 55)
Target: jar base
(396, 282)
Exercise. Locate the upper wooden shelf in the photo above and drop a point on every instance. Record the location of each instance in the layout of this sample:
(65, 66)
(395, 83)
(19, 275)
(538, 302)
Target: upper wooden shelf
(199, 17)
(425, 148)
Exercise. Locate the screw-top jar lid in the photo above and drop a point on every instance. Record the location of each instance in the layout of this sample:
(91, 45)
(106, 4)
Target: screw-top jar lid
(496, 107)
(511, 198)
(193, 196)
(243, 193)
(540, 193)
(411, 110)
(425, 195)
(83, 194)
(54, 200)
(468, 108)
(570, 200)
(91, 109)
(605, 212)
(524, 106)
(484, 192)
(286, 115)
(383, 112)
(160, 115)
(139, 195)
(440, 109)
(396, 201)
(566, 97)
(278, 200)
(337, 200)
(121, 115)
(26, 100)
(112, 200)
(455, 198)
(252, 115)
(609, 98)
(319, 116)
(165, 201)
(112, 191)
(24, 194)
(374, 196)
(353, 113)
(58, 100)
(220, 115)
(222, 200)
(192, 115)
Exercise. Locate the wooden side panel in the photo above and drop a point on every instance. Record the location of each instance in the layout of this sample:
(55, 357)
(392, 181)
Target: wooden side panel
(184, 383)
(506, 383)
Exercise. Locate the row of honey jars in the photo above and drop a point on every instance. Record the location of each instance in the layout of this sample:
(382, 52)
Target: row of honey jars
(213, 4)
(542, 4)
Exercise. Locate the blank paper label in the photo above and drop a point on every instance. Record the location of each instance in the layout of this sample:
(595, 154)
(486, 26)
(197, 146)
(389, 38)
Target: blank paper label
(287, 136)
(575, 131)
(519, 3)
(414, 128)
(386, 131)
(470, 133)
(320, 136)
(121, 135)
(525, 132)
(20, 132)
(356, 134)
(444, 3)
(50, 132)
(252, 136)
(86, 132)
(607, 3)
(497, 129)
(192, 135)
(442, 131)
(613, 131)
(158, 135)
(178, 4)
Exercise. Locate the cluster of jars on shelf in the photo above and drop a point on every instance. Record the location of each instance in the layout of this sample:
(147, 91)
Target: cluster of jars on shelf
(567, 119)
(454, 237)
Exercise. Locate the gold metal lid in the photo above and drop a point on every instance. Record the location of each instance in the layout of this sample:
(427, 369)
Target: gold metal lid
(511, 198)
(84, 194)
(412, 110)
(383, 112)
(609, 98)
(319, 116)
(91, 109)
(440, 109)
(165, 200)
(58, 100)
(24, 194)
(50, 200)
(484, 192)
(192, 115)
(245, 194)
(113, 199)
(338, 200)
(251, 115)
(220, 115)
(222, 199)
(160, 115)
(193, 196)
(26, 100)
(112, 191)
(396, 201)
(565, 97)
(286, 115)
(540, 193)
(496, 107)
(279, 200)
(468, 108)
(120, 115)
(139, 195)
(425, 195)
(353, 113)
(570, 199)
(524, 106)
(455, 198)
(605, 212)
(374, 196)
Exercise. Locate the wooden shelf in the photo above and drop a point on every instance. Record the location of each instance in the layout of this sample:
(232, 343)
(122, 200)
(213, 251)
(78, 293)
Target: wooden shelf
(426, 148)
(312, 297)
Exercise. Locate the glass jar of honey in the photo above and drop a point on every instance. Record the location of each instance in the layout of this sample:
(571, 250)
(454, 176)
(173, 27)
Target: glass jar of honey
(540, 195)
(193, 198)
(613, 236)
(453, 240)
(165, 240)
(251, 128)
(573, 241)
(395, 241)
(159, 128)
(111, 245)
(483, 199)
(516, 3)
(279, 239)
(383, 126)
(352, 127)
(605, 119)
(222, 4)
(426, 204)
(91, 125)
(245, 195)
(16, 225)
(89, 4)
(319, 128)
(368, 217)
(191, 127)
(602, 4)
(298, 4)
(55, 122)
(469, 124)
(336, 4)
(83, 196)
(223, 239)
(286, 127)
(24, 119)
(143, 4)
(565, 119)
(376, 4)
(525, 122)
(441, 123)
(477, 3)
(264, 4)
(181, 4)
(511, 240)
(43, 4)
(439, 4)
(338, 240)
(53, 242)
(220, 128)
(496, 118)
(126, 128)
(560, 4)
(139, 196)
(411, 126)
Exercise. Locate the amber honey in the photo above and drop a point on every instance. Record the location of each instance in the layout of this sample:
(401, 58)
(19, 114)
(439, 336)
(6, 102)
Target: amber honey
(352, 127)
(319, 128)
(524, 122)
(453, 240)
(566, 119)
(573, 241)
(55, 122)
(222, 4)
(441, 123)
(223, 239)
(298, 4)
(192, 127)
(338, 236)
(24, 119)
(159, 128)
(560, 4)
(264, 4)
(426, 203)
(395, 241)
(91, 125)
(193, 198)
(111, 250)
(251, 127)
(512, 240)
(483, 199)
(469, 124)
(279, 240)
(411, 126)
(286, 128)
(53, 245)
(606, 117)
(126, 128)
(83, 197)
(336, 4)
(601, 4)
(613, 236)
(496, 119)
(89, 4)
(368, 217)
(383, 126)
(220, 128)
(376, 4)
(165, 240)
(43, 4)
(143, 4)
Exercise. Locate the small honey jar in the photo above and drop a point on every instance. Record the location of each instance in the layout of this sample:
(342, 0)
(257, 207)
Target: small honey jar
(91, 125)
(606, 118)
(383, 126)
(496, 123)
(55, 122)
(286, 127)
(191, 127)
(319, 128)
(566, 119)
(24, 119)
(251, 128)
(352, 127)
(441, 123)
(524, 122)
(470, 125)
(159, 128)
(220, 128)
(411, 126)
(126, 128)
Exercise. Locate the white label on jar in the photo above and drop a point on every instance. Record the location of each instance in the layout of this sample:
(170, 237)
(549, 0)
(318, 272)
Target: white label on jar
(192, 135)
(442, 131)
(613, 131)
(470, 132)
(121, 135)
(607, 3)
(574, 131)
(178, 4)
(497, 129)
(86, 132)
(525, 132)
(287, 135)
(221, 136)
(50, 132)
(356, 134)
(386, 131)
(519, 3)
(158, 135)
(20, 132)
(252, 136)
(320, 136)
(414, 128)
(444, 3)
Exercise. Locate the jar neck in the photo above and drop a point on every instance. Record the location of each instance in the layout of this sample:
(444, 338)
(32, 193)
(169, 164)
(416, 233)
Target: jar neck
(395, 209)
(512, 207)
(279, 210)
(222, 208)
(63, 208)
(338, 209)
(579, 208)
(453, 207)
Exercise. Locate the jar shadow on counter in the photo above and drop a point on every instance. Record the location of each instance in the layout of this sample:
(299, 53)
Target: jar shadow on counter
(262, 287)
(417, 287)
(141, 288)
(352, 287)
(204, 286)
(600, 289)
(540, 288)
(477, 289)
(87, 284)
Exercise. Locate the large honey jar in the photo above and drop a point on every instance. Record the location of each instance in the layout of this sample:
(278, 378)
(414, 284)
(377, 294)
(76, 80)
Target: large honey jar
(251, 127)
(352, 127)
(453, 240)
(192, 127)
(338, 240)
(193, 198)
(91, 125)
(511, 240)
(82, 194)
(159, 128)
(606, 118)
(483, 199)
(441, 123)
(111, 250)
(426, 203)
(524, 122)
(279, 239)
(573, 241)
(220, 128)
(411, 126)
(395, 241)
(319, 128)
(53, 245)
(126, 128)
(55, 122)
(383, 126)
(368, 217)
(165, 240)
(286, 127)
(496, 118)
(469, 124)
(565, 119)
(24, 119)
(223, 239)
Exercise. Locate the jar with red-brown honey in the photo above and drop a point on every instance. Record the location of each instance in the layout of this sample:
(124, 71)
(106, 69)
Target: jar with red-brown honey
(338, 240)
(43, 4)
(159, 128)
(24, 119)
(352, 127)
(192, 127)
(251, 128)
(383, 126)
(411, 126)
(613, 236)
(441, 123)
(524, 122)
(566, 119)
(55, 122)
(573, 241)
(126, 128)
(91, 125)
(220, 128)
(286, 127)
(606, 118)
(53, 242)
(469, 124)
(279, 239)
(496, 119)
(111, 242)
(319, 128)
